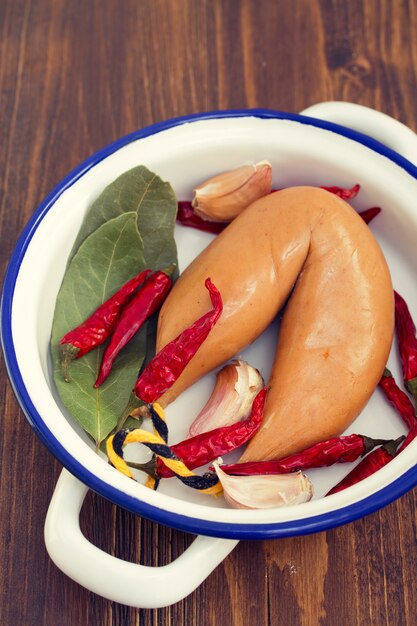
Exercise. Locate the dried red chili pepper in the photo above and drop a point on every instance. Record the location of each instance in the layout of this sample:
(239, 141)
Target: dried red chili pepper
(412, 434)
(342, 192)
(187, 217)
(205, 447)
(398, 398)
(164, 369)
(369, 214)
(369, 465)
(345, 449)
(99, 326)
(144, 303)
(407, 343)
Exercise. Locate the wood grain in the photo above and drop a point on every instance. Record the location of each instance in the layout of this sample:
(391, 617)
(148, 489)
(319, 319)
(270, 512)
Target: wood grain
(75, 76)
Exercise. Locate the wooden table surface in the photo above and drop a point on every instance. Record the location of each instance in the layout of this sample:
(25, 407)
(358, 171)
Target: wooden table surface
(75, 76)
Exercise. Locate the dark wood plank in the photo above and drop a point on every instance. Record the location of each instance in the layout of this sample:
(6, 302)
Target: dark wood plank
(75, 76)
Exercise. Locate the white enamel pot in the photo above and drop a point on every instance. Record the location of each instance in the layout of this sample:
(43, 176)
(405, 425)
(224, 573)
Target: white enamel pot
(303, 149)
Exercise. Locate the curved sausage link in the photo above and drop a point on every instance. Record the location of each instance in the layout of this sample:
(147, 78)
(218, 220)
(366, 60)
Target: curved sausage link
(337, 327)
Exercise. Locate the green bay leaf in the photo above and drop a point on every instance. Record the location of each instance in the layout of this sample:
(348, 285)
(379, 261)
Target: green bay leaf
(155, 205)
(106, 259)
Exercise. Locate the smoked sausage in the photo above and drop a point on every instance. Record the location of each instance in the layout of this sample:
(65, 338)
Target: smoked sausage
(337, 326)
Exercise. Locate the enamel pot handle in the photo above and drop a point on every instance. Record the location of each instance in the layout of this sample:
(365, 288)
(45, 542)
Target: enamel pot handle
(135, 585)
(380, 126)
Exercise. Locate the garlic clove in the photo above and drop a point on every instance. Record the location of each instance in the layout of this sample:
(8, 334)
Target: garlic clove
(264, 492)
(226, 182)
(223, 197)
(236, 386)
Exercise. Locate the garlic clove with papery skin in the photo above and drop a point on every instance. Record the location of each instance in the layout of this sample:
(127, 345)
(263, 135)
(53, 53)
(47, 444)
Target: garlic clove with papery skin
(237, 384)
(264, 492)
(224, 196)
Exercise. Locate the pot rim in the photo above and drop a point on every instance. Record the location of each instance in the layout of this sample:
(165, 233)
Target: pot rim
(300, 526)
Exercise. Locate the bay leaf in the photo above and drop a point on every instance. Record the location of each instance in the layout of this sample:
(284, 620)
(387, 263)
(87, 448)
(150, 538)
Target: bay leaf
(106, 259)
(155, 205)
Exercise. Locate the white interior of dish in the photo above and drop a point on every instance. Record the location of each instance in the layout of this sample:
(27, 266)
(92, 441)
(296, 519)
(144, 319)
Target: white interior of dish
(186, 155)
